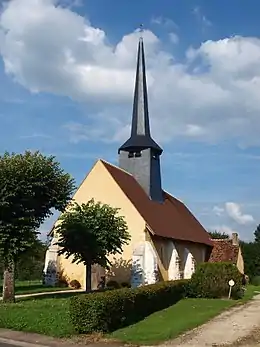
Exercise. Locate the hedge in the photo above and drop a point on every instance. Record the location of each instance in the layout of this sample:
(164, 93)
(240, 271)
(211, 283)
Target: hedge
(210, 280)
(110, 310)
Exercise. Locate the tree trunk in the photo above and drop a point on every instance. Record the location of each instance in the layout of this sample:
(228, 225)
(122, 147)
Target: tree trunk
(8, 285)
(88, 277)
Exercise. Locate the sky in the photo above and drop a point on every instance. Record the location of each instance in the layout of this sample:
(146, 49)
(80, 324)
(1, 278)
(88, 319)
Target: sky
(67, 73)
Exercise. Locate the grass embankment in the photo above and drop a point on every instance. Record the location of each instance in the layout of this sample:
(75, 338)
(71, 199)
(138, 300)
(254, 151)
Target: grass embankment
(31, 287)
(49, 315)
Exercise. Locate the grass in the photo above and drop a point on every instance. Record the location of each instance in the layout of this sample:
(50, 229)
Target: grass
(171, 322)
(49, 315)
(187, 314)
(250, 292)
(31, 287)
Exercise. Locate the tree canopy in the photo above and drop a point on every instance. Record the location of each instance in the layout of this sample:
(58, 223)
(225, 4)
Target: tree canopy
(257, 234)
(90, 233)
(31, 186)
(218, 235)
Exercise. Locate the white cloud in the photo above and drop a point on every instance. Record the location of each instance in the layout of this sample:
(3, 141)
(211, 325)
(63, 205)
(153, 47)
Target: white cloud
(211, 96)
(164, 21)
(201, 17)
(174, 38)
(218, 210)
(234, 211)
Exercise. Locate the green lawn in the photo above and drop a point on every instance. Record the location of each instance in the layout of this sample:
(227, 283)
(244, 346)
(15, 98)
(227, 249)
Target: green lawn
(171, 322)
(30, 287)
(250, 292)
(49, 315)
(187, 314)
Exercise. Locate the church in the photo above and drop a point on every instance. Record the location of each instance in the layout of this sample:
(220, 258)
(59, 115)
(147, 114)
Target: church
(167, 241)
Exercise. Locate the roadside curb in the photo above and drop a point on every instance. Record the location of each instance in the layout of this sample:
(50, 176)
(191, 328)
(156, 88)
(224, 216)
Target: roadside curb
(20, 343)
(26, 339)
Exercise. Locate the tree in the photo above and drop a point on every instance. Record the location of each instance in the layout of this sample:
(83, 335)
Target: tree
(31, 186)
(251, 256)
(30, 264)
(90, 233)
(257, 234)
(218, 235)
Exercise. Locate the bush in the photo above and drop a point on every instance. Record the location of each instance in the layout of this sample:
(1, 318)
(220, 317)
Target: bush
(256, 281)
(110, 310)
(125, 285)
(75, 284)
(210, 280)
(113, 284)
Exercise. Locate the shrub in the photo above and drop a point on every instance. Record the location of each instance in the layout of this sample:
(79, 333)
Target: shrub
(256, 281)
(125, 285)
(111, 310)
(113, 284)
(75, 284)
(210, 280)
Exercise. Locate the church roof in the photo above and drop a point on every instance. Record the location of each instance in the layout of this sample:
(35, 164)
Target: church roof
(224, 250)
(171, 219)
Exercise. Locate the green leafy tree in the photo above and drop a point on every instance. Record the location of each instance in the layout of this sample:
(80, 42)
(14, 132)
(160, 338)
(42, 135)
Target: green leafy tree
(90, 233)
(218, 235)
(30, 263)
(31, 186)
(257, 234)
(251, 256)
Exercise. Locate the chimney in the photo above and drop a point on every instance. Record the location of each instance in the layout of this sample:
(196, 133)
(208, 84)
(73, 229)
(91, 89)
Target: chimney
(235, 241)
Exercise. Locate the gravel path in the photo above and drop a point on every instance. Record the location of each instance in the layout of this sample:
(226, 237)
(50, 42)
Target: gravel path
(226, 329)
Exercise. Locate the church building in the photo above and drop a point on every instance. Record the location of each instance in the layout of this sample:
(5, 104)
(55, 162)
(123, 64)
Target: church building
(167, 241)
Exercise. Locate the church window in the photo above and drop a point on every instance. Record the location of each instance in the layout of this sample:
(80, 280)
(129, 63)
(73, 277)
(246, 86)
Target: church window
(130, 155)
(138, 154)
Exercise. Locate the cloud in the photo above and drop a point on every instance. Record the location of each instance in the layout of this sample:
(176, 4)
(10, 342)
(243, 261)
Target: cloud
(218, 210)
(164, 21)
(201, 17)
(234, 211)
(174, 38)
(210, 96)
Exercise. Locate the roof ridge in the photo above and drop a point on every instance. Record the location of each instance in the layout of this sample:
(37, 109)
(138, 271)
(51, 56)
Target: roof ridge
(221, 239)
(116, 167)
(173, 197)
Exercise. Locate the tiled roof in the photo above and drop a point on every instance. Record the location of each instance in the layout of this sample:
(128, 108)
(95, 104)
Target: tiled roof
(170, 219)
(224, 250)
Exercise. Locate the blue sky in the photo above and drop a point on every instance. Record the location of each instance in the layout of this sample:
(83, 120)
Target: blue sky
(66, 83)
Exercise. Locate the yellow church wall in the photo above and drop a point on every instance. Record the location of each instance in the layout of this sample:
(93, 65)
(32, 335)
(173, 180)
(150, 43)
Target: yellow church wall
(240, 262)
(197, 250)
(100, 185)
(160, 246)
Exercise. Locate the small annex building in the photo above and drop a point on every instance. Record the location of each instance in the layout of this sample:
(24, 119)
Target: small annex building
(228, 250)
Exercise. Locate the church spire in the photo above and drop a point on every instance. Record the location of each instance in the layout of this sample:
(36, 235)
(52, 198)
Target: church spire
(140, 130)
(140, 154)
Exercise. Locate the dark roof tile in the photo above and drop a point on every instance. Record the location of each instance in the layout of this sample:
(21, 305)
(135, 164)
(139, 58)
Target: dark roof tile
(224, 250)
(170, 219)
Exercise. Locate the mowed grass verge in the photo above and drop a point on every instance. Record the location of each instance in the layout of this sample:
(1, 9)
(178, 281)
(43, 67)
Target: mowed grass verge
(49, 315)
(31, 287)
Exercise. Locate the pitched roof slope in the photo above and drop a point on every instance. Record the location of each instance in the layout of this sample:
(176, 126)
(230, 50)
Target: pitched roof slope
(170, 219)
(224, 250)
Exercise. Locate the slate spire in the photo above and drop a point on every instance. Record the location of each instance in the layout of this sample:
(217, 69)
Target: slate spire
(140, 154)
(140, 130)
